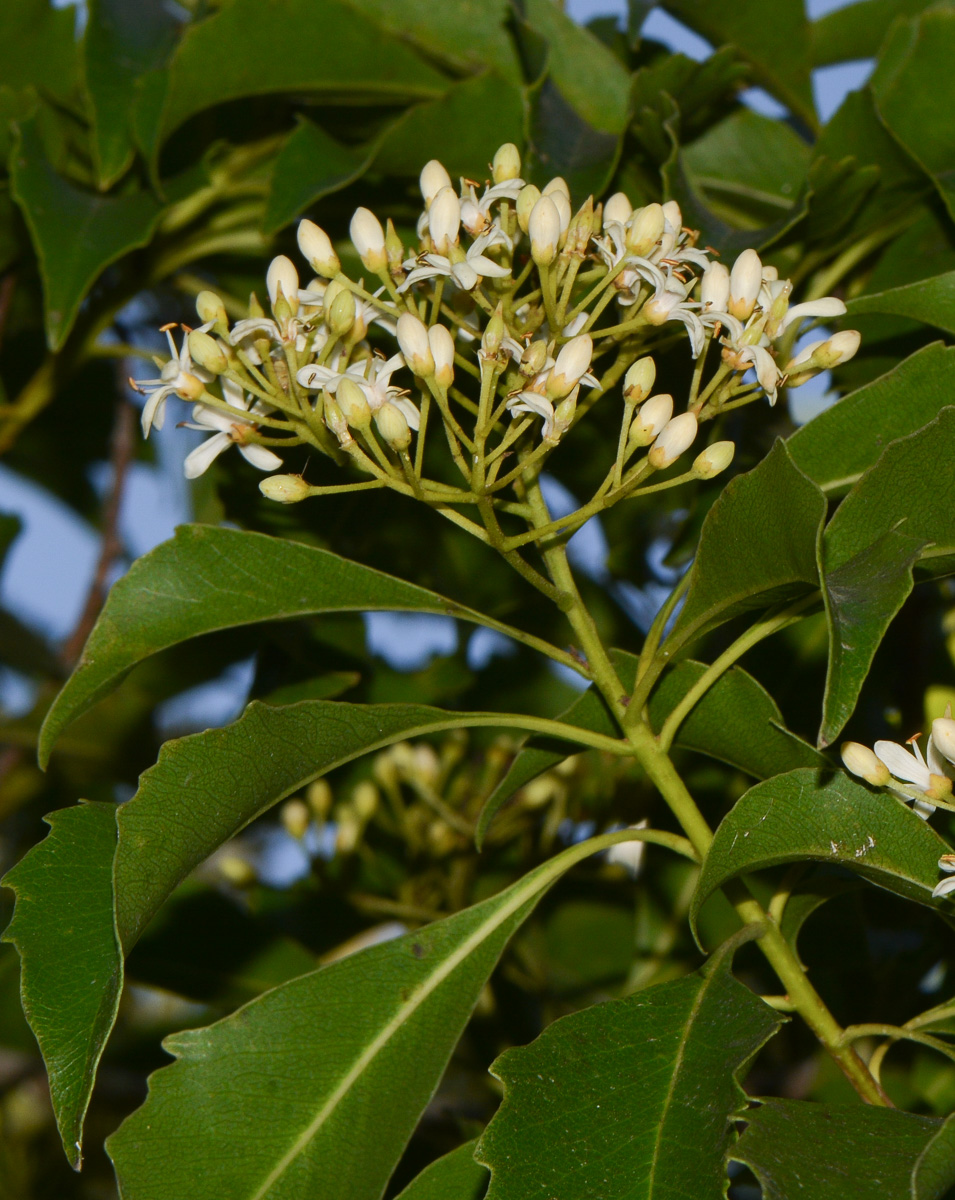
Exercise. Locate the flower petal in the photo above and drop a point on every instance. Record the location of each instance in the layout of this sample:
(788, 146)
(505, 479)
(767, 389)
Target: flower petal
(902, 764)
(200, 459)
(261, 457)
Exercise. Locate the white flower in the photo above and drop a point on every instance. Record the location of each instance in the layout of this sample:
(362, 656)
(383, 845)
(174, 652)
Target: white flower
(914, 777)
(177, 378)
(946, 864)
(228, 431)
(535, 405)
(767, 371)
(475, 213)
(466, 271)
(671, 304)
(629, 854)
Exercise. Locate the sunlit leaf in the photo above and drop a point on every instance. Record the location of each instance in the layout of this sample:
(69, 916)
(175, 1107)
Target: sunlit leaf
(856, 30)
(931, 301)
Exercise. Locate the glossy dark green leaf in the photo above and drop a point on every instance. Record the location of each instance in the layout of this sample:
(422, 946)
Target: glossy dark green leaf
(809, 895)
(347, 1056)
(38, 47)
(931, 301)
(462, 129)
(322, 687)
(778, 50)
(858, 1152)
(856, 30)
(248, 48)
(209, 578)
(836, 447)
(76, 234)
(122, 42)
(899, 513)
(917, 50)
(310, 166)
(934, 1171)
(758, 546)
(736, 721)
(824, 816)
(631, 1097)
(72, 969)
(455, 1176)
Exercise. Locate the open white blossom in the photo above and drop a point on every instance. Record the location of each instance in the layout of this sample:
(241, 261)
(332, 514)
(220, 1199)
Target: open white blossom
(226, 431)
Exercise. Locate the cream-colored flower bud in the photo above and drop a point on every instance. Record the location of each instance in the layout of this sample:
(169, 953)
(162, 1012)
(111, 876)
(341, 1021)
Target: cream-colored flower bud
(638, 381)
(207, 352)
(285, 489)
(534, 359)
(316, 247)
(354, 403)
(672, 216)
(282, 276)
(651, 419)
(659, 308)
(442, 351)
(506, 164)
(348, 834)
(573, 361)
(580, 229)
(295, 818)
(368, 238)
(557, 184)
(433, 178)
(617, 208)
(527, 197)
(444, 220)
(335, 418)
(838, 349)
(364, 800)
(415, 346)
(393, 426)
(212, 311)
(394, 247)
(715, 288)
(645, 229)
(678, 435)
(236, 870)
(544, 231)
(341, 312)
(746, 278)
(860, 760)
(943, 737)
(564, 414)
(714, 459)
(562, 204)
(318, 797)
(493, 336)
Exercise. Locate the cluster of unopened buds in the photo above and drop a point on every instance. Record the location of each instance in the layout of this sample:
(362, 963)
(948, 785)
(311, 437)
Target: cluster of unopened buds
(506, 321)
(924, 781)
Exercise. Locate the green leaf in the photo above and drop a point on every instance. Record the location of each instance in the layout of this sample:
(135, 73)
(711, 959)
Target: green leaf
(778, 50)
(859, 1152)
(826, 817)
(757, 548)
(64, 930)
(38, 47)
(931, 301)
(456, 1176)
(917, 50)
(207, 578)
(76, 234)
(251, 48)
(736, 721)
(934, 1171)
(630, 1097)
(121, 43)
(323, 687)
(857, 30)
(899, 513)
(835, 448)
(348, 1057)
(310, 166)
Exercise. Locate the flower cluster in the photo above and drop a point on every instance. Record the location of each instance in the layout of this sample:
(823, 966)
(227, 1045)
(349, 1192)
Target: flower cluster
(504, 323)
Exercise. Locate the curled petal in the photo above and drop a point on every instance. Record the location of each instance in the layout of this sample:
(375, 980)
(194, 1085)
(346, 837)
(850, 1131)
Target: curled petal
(199, 460)
(261, 457)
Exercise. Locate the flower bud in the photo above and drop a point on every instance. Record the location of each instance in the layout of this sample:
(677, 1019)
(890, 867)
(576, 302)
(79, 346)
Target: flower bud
(415, 346)
(527, 197)
(659, 308)
(364, 800)
(617, 208)
(286, 489)
(282, 277)
(645, 229)
(318, 797)
(838, 349)
(368, 238)
(506, 164)
(678, 435)
(348, 834)
(534, 359)
(236, 870)
(943, 737)
(442, 351)
(444, 220)
(573, 361)
(651, 419)
(335, 418)
(393, 426)
(860, 760)
(562, 204)
(715, 288)
(354, 403)
(394, 248)
(713, 460)
(207, 352)
(638, 381)
(580, 229)
(544, 231)
(210, 308)
(494, 331)
(295, 818)
(672, 216)
(557, 184)
(341, 312)
(564, 415)
(746, 279)
(433, 178)
(316, 247)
